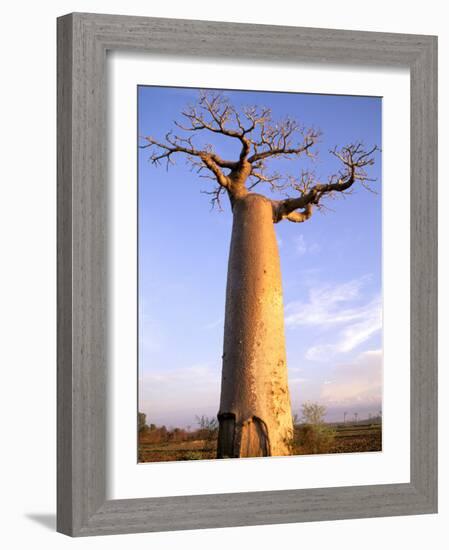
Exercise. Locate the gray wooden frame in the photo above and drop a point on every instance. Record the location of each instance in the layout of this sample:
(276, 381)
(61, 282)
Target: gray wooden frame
(83, 40)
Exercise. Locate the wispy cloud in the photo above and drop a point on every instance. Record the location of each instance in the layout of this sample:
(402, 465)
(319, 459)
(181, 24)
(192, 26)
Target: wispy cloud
(297, 380)
(177, 395)
(301, 247)
(346, 319)
(151, 336)
(357, 382)
(214, 324)
(364, 323)
(200, 373)
(324, 305)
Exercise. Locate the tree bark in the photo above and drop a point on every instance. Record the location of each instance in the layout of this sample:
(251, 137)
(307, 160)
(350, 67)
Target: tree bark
(255, 414)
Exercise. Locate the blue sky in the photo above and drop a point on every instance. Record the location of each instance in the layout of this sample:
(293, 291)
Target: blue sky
(331, 267)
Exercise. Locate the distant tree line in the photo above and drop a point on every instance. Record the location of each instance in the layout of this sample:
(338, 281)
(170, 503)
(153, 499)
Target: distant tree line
(207, 430)
(312, 435)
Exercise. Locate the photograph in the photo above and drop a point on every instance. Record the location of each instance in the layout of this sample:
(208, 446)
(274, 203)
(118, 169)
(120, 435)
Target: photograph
(259, 274)
(220, 275)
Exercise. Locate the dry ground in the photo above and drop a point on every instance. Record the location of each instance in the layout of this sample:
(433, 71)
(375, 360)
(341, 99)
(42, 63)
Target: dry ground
(349, 438)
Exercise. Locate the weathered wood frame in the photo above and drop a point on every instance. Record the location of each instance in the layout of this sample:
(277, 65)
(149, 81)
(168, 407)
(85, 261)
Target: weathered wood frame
(83, 40)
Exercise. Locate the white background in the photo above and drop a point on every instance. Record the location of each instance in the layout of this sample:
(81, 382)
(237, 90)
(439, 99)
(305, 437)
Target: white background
(27, 230)
(131, 480)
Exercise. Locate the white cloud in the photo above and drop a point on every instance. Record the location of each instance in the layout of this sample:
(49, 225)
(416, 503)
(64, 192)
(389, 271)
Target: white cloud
(198, 374)
(358, 382)
(151, 336)
(214, 324)
(297, 380)
(324, 305)
(337, 310)
(349, 386)
(357, 333)
(319, 353)
(176, 396)
(301, 247)
(363, 325)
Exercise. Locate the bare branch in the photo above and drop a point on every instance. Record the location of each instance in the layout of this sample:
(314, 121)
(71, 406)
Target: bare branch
(215, 197)
(282, 141)
(275, 180)
(175, 144)
(260, 141)
(252, 127)
(354, 159)
(299, 217)
(215, 114)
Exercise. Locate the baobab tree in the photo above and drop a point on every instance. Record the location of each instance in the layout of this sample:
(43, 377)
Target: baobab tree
(255, 416)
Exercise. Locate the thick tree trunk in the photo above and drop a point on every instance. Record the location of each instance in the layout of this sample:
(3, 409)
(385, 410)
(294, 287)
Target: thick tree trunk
(255, 414)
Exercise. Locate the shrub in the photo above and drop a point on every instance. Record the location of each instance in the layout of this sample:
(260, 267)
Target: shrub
(313, 436)
(208, 431)
(142, 422)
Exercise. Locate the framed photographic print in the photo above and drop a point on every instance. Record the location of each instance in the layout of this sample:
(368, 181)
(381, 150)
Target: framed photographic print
(328, 320)
(246, 274)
